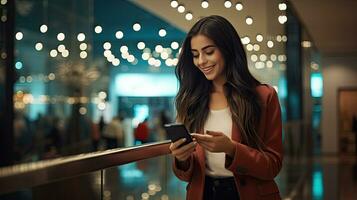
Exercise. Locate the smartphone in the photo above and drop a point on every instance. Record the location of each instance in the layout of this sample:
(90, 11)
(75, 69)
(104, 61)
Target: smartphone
(177, 131)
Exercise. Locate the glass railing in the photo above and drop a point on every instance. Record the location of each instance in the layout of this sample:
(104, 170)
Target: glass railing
(140, 172)
(84, 175)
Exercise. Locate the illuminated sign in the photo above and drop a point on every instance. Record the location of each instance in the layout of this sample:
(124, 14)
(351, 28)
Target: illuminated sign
(146, 85)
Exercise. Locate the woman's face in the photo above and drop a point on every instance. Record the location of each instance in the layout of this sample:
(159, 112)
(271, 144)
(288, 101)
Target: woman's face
(207, 57)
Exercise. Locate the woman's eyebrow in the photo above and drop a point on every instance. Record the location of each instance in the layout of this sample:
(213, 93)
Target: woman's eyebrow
(208, 46)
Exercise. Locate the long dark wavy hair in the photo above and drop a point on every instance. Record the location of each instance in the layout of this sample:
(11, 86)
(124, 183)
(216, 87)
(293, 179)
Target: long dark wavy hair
(192, 100)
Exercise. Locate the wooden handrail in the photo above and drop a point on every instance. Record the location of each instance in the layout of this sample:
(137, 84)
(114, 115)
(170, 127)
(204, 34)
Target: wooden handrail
(28, 175)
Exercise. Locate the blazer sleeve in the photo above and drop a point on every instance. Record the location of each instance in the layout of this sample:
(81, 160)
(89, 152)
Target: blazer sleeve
(267, 164)
(184, 175)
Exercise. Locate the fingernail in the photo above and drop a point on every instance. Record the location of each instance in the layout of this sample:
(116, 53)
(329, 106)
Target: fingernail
(184, 139)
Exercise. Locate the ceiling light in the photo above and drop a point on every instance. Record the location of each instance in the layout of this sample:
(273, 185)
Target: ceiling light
(174, 45)
(227, 4)
(254, 57)
(116, 62)
(282, 19)
(4, 18)
(98, 29)
(256, 47)
(188, 16)
(239, 6)
(269, 64)
(245, 40)
(181, 8)
(83, 54)
(249, 47)
(284, 38)
(61, 48)
(53, 53)
(306, 44)
(282, 6)
(164, 55)
(43, 28)
(83, 46)
(82, 110)
(162, 32)
(259, 65)
(107, 53)
(169, 62)
(145, 56)
(273, 57)
(141, 45)
(263, 57)
(81, 37)
(124, 49)
(151, 61)
(249, 20)
(204, 4)
(38, 46)
(282, 58)
(270, 44)
(119, 34)
(51, 76)
(65, 53)
(314, 66)
(125, 55)
(110, 58)
(174, 3)
(259, 38)
(107, 45)
(136, 27)
(60, 36)
(18, 65)
(157, 63)
(159, 48)
(19, 36)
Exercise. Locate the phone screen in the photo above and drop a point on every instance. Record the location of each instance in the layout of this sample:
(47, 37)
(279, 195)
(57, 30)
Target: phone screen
(176, 132)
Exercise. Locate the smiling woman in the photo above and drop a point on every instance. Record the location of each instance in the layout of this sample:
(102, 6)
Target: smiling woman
(234, 119)
(207, 57)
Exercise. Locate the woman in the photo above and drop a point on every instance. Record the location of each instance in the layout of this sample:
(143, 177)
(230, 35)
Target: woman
(235, 120)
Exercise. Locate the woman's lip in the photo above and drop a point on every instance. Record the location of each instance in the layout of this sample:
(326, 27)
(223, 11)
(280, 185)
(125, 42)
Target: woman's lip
(207, 69)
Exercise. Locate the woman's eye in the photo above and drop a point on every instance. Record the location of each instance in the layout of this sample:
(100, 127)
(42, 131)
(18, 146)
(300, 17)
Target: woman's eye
(195, 56)
(209, 52)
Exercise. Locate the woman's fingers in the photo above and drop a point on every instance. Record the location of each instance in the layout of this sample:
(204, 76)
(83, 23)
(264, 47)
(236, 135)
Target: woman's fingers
(201, 137)
(206, 145)
(182, 152)
(185, 148)
(184, 156)
(213, 133)
(176, 144)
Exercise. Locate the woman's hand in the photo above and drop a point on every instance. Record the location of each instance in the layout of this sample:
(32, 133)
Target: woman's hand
(216, 142)
(182, 153)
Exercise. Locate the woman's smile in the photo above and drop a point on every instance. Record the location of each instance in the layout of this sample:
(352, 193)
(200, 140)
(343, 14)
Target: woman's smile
(208, 69)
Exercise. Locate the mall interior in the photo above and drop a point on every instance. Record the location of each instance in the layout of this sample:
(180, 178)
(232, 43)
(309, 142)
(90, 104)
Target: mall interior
(78, 77)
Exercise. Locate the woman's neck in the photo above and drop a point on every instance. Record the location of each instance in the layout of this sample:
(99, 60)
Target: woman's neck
(218, 84)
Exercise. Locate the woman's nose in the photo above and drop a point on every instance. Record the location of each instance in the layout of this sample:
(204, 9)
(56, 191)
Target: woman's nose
(202, 59)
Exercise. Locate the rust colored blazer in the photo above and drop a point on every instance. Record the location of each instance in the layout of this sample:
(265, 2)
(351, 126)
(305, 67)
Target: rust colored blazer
(254, 172)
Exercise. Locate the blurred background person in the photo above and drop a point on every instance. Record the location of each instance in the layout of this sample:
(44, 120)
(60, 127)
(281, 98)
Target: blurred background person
(142, 132)
(113, 132)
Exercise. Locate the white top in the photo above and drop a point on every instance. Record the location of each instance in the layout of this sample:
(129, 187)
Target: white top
(218, 121)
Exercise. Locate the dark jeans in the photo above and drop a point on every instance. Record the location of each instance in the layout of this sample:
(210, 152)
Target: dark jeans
(220, 188)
